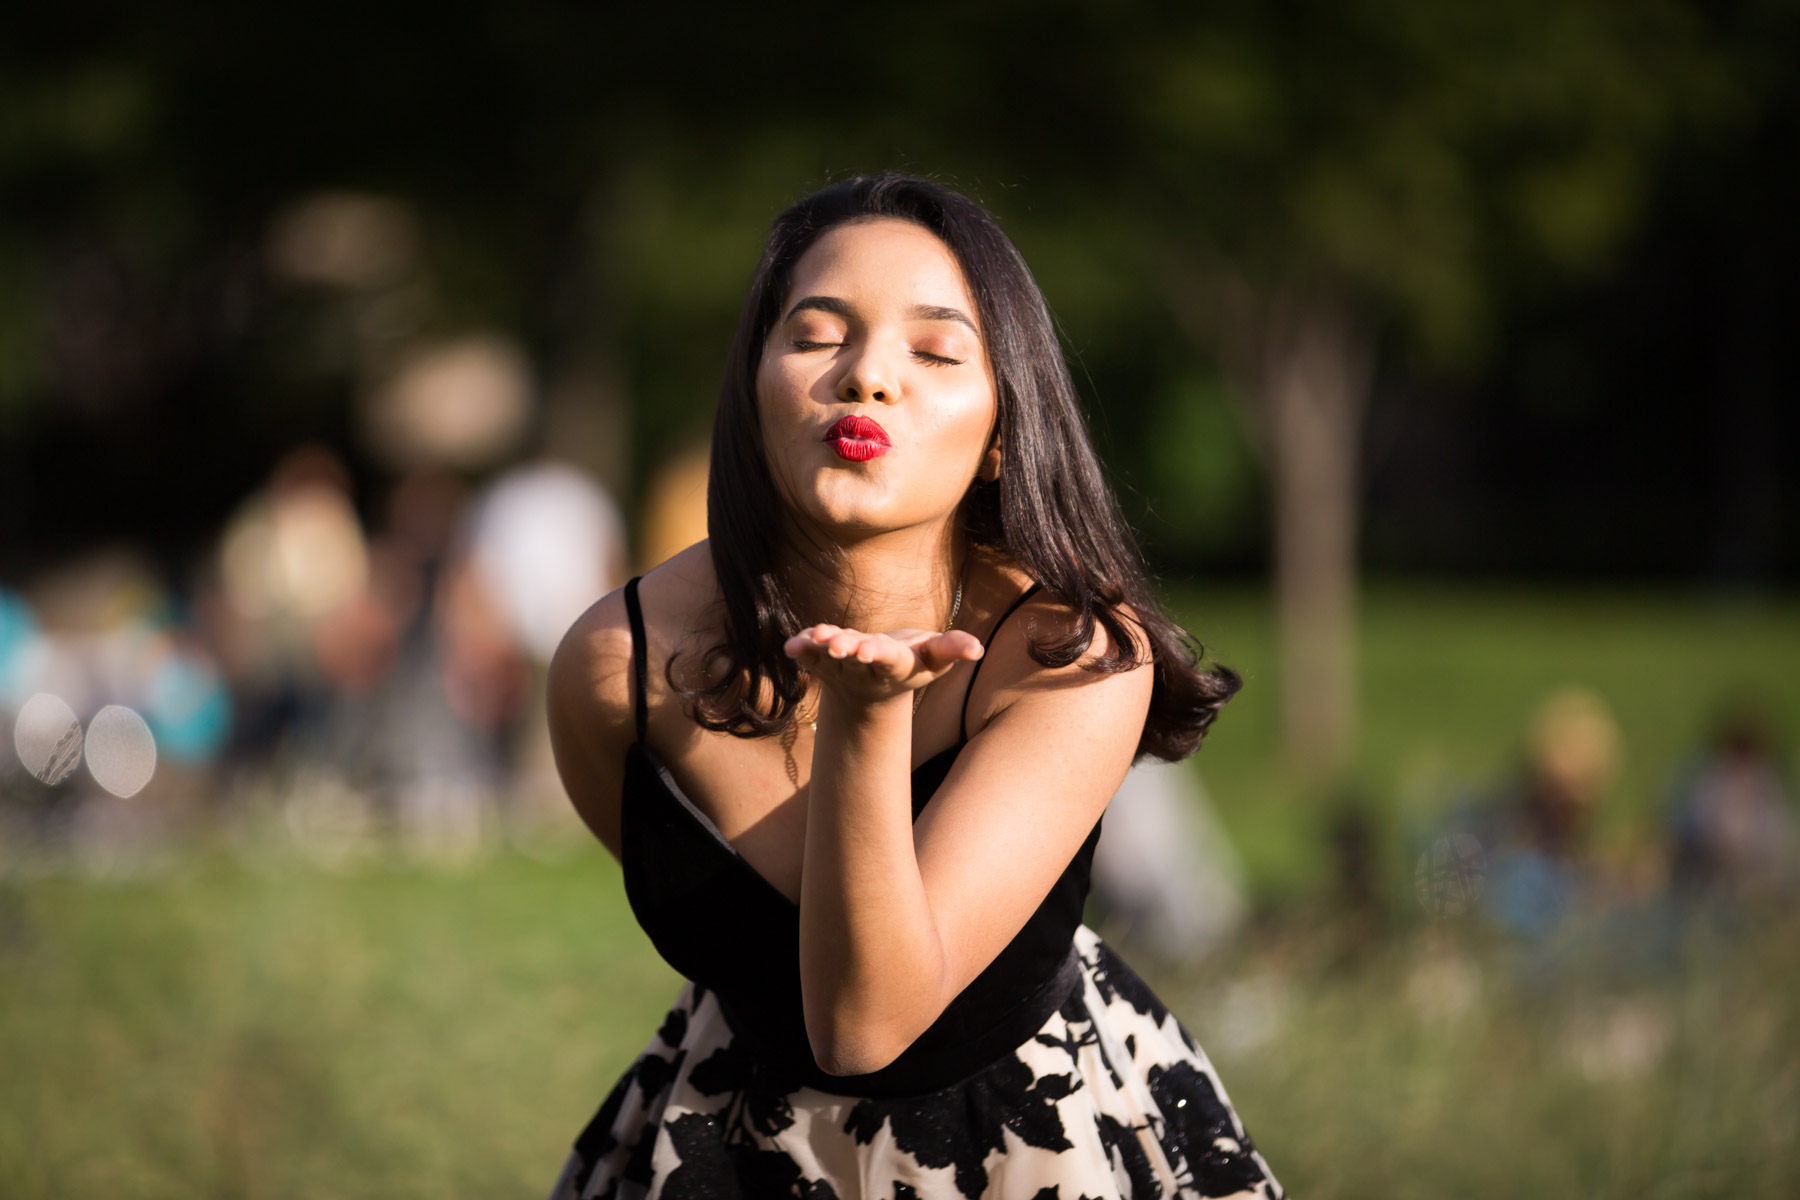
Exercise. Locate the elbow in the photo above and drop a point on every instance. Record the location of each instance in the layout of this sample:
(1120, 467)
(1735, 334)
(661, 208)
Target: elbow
(856, 1026)
(855, 1052)
(846, 1042)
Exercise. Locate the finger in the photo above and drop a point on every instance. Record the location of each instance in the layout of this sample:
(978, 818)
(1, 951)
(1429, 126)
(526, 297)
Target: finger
(812, 637)
(843, 643)
(888, 656)
(943, 650)
(876, 647)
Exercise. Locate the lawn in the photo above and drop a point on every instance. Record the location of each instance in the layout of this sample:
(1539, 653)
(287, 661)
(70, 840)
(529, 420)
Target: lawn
(1449, 676)
(230, 1029)
(259, 1027)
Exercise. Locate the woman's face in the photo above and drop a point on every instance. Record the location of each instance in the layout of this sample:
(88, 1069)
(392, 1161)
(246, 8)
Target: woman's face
(876, 398)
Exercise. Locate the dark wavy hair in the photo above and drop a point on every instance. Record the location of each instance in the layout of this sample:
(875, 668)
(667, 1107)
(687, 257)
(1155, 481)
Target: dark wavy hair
(1050, 511)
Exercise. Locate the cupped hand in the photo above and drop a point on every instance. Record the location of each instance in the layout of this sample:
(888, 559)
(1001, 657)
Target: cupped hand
(871, 667)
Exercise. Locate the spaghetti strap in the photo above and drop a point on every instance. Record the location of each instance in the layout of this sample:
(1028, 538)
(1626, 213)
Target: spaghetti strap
(963, 723)
(640, 657)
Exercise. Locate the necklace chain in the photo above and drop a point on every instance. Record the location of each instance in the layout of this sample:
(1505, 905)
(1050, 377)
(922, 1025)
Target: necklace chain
(955, 607)
(812, 718)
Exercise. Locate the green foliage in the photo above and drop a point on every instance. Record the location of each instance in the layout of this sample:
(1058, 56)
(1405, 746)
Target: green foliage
(1204, 478)
(1411, 152)
(1414, 153)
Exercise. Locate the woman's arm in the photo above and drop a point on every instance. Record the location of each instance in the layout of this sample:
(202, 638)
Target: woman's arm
(896, 918)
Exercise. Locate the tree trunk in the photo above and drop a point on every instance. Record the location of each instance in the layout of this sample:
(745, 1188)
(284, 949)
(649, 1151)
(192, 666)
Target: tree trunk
(1303, 363)
(1312, 365)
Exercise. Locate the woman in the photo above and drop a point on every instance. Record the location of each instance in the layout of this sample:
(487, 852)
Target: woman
(853, 752)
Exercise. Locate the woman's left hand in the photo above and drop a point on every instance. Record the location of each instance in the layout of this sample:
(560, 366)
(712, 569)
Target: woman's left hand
(869, 668)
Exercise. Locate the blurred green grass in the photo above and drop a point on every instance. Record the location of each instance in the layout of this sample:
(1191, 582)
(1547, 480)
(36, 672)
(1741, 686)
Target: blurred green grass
(278, 1030)
(1443, 1064)
(1449, 675)
(262, 1028)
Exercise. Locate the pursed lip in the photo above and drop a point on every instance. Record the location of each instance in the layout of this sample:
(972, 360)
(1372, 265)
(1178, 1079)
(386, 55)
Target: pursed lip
(858, 438)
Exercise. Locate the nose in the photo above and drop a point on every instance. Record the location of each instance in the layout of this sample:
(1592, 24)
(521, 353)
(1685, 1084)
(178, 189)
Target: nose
(867, 377)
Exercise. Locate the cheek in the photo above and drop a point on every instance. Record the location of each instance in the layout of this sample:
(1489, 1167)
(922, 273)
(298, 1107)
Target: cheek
(960, 426)
(780, 402)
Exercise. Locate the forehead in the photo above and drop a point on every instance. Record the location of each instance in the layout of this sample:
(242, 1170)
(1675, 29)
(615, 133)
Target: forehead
(882, 263)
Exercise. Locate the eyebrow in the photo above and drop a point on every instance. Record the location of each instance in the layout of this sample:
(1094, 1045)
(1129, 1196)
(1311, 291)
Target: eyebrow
(937, 312)
(919, 312)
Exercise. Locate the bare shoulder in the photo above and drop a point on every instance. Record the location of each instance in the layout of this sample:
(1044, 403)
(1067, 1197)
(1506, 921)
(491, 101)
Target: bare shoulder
(590, 697)
(590, 674)
(681, 598)
(1011, 673)
(588, 671)
(588, 707)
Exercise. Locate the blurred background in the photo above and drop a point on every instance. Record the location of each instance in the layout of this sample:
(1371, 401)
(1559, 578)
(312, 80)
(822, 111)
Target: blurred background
(1439, 354)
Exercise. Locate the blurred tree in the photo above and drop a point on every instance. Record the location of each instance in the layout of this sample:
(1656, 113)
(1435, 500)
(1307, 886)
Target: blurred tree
(1306, 187)
(1326, 179)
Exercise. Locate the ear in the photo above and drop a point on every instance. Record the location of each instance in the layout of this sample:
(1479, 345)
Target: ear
(990, 464)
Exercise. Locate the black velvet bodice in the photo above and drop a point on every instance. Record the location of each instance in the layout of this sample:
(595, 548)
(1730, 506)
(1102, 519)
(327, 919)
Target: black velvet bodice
(723, 926)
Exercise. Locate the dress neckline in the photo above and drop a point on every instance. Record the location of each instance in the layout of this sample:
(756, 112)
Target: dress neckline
(640, 713)
(705, 824)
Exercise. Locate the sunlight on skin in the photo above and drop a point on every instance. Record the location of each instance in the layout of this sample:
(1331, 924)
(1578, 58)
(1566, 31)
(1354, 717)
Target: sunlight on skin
(867, 329)
(877, 407)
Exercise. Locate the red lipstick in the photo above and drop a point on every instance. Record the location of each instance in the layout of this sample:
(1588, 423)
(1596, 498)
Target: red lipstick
(857, 438)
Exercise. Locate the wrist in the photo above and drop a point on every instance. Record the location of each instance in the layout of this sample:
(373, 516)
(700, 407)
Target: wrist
(858, 713)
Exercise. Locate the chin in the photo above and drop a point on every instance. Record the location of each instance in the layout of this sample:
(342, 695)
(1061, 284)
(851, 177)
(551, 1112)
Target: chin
(862, 505)
(855, 522)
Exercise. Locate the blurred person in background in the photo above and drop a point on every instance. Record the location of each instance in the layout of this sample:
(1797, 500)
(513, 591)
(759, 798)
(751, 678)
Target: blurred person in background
(396, 669)
(1535, 831)
(869, 851)
(1167, 881)
(535, 548)
(1732, 816)
(396, 739)
(290, 578)
(1359, 909)
(106, 691)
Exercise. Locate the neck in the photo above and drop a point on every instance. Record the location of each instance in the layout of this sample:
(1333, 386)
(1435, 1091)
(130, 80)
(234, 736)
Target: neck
(899, 579)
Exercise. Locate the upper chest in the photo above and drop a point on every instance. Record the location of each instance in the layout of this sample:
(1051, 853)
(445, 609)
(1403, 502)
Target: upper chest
(768, 840)
(754, 792)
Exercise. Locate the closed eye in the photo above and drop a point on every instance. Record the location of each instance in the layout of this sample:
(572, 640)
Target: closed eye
(937, 360)
(806, 345)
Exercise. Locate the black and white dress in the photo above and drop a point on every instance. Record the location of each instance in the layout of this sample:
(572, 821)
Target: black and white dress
(1056, 1075)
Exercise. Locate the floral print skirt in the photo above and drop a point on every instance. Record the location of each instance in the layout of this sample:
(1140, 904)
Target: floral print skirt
(1110, 1100)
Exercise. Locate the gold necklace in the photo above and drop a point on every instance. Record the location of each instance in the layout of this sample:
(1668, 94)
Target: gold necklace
(812, 718)
(955, 607)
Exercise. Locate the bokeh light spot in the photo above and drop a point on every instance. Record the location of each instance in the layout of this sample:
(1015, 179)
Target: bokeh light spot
(47, 736)
(121, 753)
